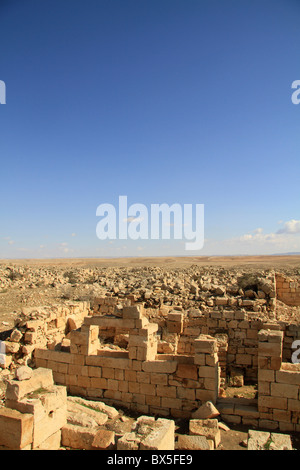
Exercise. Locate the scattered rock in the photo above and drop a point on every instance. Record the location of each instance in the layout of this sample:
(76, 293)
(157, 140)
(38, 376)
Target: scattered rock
(261, 440)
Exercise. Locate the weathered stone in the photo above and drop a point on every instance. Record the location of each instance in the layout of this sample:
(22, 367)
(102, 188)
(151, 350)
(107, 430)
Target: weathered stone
(16, 336)
(95, 405)
(23, 373)
(11, 347)
(261, 440)
(103, 440)
(186, 442)
(82, 415)
(206, 427)
(129, 441)
(16, 429)
(41, 378)
(77, 437)
(160, 436)
(206, 411)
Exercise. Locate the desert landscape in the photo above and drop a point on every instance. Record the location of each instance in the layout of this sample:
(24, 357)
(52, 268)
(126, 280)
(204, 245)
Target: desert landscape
(198, 349)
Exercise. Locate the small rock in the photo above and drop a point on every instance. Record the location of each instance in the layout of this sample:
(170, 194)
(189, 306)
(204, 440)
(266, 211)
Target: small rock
(16, 336)
(103, 440)
(23, 373)
(223, 426)
(186, 442)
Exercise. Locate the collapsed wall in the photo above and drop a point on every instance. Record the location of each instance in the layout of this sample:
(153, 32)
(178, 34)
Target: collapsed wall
(173, 385)
(41, 327)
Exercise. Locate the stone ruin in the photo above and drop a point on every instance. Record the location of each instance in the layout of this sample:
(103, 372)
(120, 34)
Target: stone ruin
(166, 362)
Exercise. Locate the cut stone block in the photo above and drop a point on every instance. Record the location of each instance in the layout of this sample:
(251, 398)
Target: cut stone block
(23, 373)
(205, 344)
(129, 441)
(16, 429)
(206, 411)
(186, 442)
(206, 427)
(76, 437)
(96, 405)
(133, 312)
(52, 442)
(49, 425)
(48, 409)
(261, 440)
(41, 379)
(236, 377)
(160, 437)
(271, 336)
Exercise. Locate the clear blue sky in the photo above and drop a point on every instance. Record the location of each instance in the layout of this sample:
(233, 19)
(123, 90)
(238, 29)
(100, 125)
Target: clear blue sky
(165, 101)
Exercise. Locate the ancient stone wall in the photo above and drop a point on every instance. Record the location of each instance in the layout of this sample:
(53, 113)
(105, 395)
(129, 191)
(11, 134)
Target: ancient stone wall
(277, 405)
(288, 290)
(138, 378)
(41, 327)
(236, 333)
(35, 412)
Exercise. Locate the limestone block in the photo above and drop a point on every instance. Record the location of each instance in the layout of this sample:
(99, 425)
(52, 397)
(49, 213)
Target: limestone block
(129, 441)
(85, 416)
(11, 347)
(77, 437)
(52, 442)
(167, 367)
(133, 312)
(284, 390)
(272, 336)
(16, 429)
(186, 442)
(41, 378)
(205, 344)
(188, 371)
(269, 349)
(161, 436)
(103, 440)
(262, 440)
(206, 427)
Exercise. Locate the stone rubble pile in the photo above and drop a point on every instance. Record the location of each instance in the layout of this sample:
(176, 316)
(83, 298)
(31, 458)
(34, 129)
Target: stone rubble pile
(201, 287)
(41, 327)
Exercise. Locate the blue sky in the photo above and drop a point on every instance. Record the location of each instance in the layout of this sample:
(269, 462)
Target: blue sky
(164, 101)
